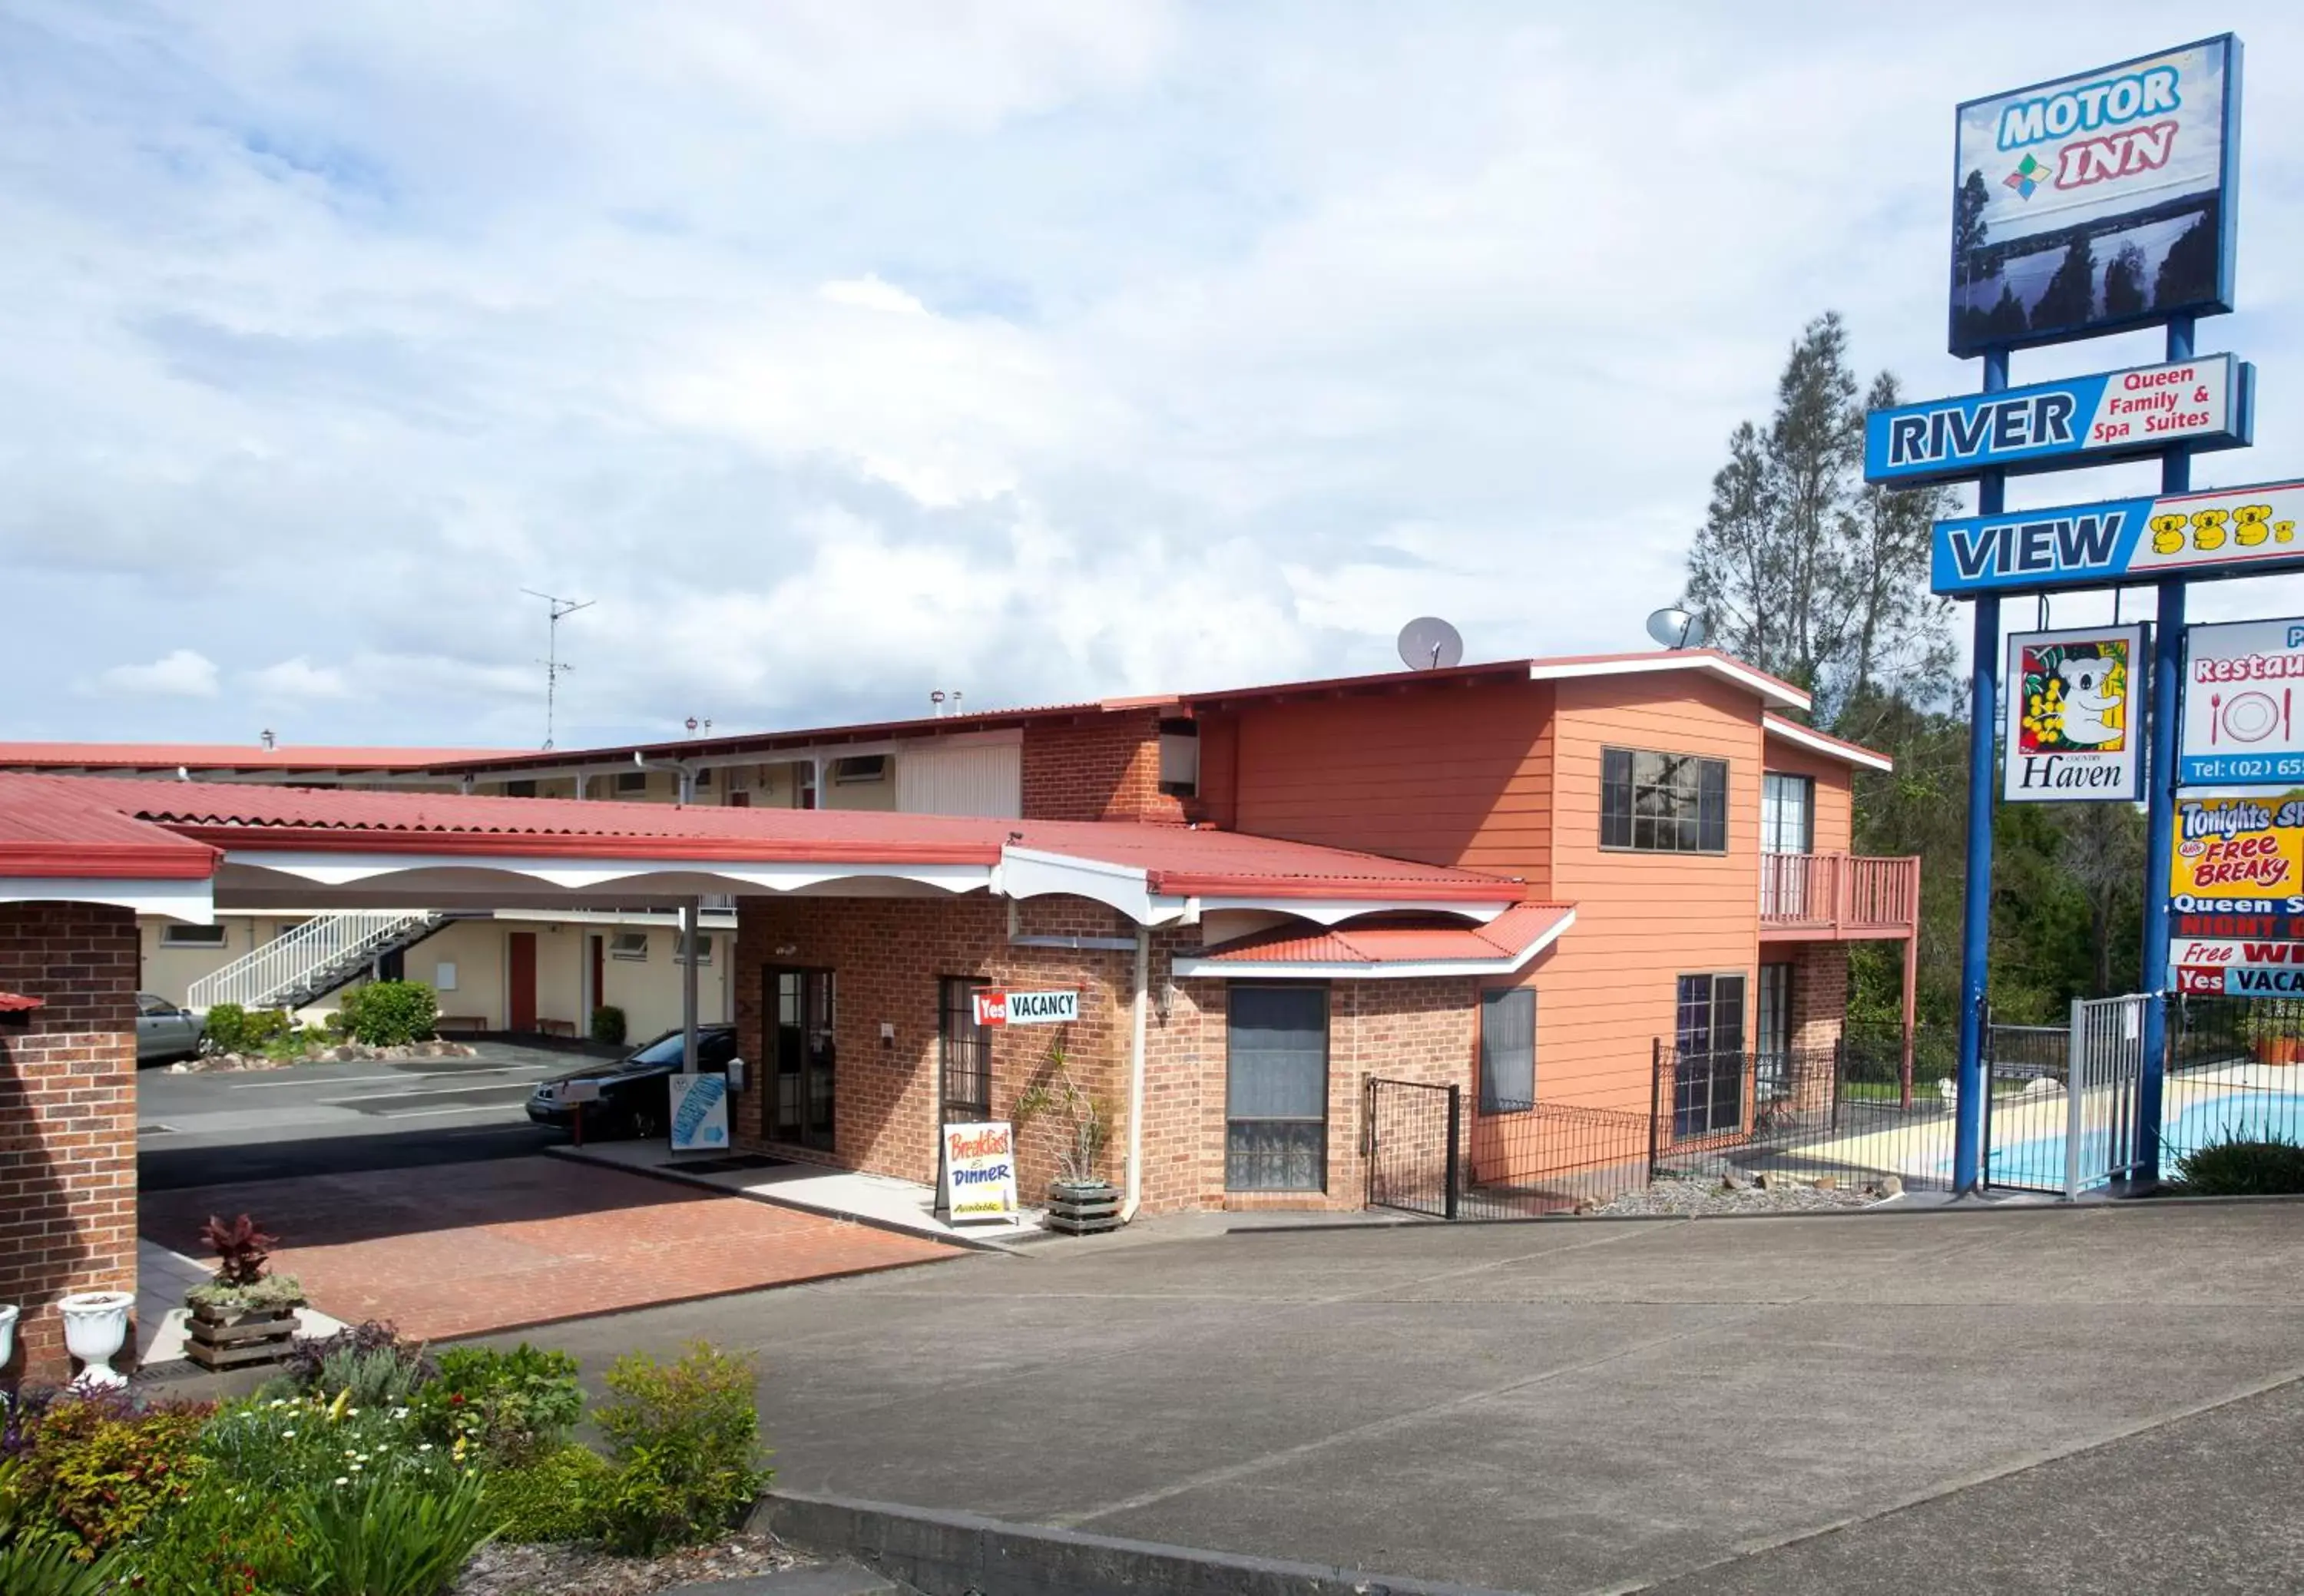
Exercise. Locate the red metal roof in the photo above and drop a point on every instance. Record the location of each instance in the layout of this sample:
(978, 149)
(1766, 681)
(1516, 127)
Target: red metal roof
(227, 756)
(1856, 753)
(1547, 667)
(16, 1003)
(1506, 941)
(1176, 859)
(56, 827)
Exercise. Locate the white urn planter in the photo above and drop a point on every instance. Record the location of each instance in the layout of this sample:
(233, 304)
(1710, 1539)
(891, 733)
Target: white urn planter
(7, 1334)
(96, 1327)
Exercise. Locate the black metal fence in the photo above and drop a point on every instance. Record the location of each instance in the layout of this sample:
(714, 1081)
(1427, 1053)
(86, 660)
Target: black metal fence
(2235, 1073)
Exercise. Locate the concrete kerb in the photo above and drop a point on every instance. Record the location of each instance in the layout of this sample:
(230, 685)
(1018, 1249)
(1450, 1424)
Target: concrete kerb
(941, 1553)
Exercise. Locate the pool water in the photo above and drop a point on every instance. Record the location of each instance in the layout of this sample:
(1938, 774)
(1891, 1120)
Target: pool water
(2247, 1115)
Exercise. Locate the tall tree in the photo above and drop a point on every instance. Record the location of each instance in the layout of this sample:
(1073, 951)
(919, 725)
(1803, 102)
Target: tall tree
(1808, 572)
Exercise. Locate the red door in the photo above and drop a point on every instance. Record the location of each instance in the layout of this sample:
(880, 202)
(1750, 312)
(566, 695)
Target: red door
(523, 999)
(599, 976)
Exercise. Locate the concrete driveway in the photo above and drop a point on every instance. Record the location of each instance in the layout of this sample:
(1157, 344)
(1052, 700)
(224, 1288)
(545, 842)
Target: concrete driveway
(1872, 1401)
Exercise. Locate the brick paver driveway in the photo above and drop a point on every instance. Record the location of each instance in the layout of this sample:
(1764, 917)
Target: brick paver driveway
(461, 1249)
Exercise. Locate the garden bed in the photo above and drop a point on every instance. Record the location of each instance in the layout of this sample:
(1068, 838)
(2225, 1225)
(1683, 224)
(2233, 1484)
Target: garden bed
(337, 1053)
(370, 1466)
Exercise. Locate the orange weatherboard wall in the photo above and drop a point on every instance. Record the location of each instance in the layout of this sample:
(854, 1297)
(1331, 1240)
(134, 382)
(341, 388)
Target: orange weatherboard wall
(1643, 919)
(1452, 773)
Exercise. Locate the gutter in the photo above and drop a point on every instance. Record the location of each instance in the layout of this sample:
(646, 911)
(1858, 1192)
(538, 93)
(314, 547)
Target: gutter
(1135, 1198)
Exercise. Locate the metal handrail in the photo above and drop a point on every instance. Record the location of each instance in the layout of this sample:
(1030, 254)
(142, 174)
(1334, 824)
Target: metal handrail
(321, 943)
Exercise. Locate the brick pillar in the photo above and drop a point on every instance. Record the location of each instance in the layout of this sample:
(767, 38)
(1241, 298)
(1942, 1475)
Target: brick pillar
(67, 1119)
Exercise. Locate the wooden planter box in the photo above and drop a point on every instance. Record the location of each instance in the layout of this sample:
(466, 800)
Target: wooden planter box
(1083, 1210)
(235, 1337)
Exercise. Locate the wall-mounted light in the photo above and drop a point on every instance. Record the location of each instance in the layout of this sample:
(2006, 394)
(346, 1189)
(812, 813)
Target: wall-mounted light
(1164, 1002)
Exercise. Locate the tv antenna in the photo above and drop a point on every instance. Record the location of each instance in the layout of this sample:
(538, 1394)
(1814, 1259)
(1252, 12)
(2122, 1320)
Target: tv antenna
(1678, 628)
(1429, 643)
(560, 610)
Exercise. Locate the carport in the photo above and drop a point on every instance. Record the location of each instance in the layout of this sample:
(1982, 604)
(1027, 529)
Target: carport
(80, 858)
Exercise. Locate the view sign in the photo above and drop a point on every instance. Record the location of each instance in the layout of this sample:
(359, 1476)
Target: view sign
(2243, 689)
(2226, 531)
(2080, 421)
(2074, 730)
(2096, 201)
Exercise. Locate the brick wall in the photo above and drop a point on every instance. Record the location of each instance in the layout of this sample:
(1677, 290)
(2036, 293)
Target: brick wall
(67, 1118)
(1819, 995)
(1422, 1030)
(888, 954)
(1103, 770)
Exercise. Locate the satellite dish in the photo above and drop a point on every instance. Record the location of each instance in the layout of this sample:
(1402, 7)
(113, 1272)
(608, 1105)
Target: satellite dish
(1677, 628)
(1429, 643)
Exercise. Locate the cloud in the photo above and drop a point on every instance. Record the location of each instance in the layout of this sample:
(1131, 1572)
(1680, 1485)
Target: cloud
(1040, 349)
(181, 673)
(297, 679)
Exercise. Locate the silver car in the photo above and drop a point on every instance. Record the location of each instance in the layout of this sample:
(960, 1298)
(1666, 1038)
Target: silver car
(164, 1032)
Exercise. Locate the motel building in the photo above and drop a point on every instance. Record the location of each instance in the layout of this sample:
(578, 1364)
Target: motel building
(1523, 878)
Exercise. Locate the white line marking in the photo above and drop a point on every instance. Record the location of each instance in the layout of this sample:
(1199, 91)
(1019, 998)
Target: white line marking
(465, 1109)
(501, 1069)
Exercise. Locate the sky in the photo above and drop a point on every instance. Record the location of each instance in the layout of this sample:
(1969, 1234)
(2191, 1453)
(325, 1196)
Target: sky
(839, 351)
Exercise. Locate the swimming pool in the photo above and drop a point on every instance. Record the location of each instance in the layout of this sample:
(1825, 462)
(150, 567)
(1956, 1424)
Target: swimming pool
(2253, 1116)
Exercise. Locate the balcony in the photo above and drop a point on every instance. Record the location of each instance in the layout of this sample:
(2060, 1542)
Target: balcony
(1838, 897)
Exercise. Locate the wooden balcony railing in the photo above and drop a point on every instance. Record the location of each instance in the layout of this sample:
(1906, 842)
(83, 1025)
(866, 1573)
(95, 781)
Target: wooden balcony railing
(1839, 895)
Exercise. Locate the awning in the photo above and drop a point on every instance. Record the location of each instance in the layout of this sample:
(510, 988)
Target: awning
(1389, 948)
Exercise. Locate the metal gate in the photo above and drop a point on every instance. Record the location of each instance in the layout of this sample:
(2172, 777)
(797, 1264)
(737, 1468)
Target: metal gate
(2060, 1104)
(2104, 1092)
(1415, 1140)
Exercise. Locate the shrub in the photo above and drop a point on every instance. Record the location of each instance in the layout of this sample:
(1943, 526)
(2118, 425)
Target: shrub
(391, 1013)
(509, 1406)
(51, 1570)
(392, 1537)
(92, 1469)
(231, 1029)
(226, 1538)
(281, 1445)
(2238, 1168)
(608, 1025)
(242, 1248)
(560, 1496)
(369, 1360)
(685, 1438)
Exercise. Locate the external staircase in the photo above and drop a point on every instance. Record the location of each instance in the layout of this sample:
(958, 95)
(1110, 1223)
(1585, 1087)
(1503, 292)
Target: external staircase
(307, 963)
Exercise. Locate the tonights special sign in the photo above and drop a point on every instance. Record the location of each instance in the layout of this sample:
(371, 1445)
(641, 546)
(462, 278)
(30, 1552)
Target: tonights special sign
(2220, 967)
(2237, 872)
(2243, 721)
(2225, 532)
(2206, 402)
(2073, 730)
(979, 1172)
(2096, 201)
(1026, 1008)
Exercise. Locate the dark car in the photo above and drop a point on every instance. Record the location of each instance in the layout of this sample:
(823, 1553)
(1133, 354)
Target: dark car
(635, 1093)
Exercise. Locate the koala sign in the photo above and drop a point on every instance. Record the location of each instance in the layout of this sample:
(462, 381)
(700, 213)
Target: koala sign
(2075, 725)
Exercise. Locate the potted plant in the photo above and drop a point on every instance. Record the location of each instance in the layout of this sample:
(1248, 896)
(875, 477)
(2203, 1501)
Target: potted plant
(1080, 1202)
(245, 1315)
(2275, 1036)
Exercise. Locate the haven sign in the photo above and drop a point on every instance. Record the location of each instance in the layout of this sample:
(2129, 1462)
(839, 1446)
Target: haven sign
(2096, 201)
(2073, 731)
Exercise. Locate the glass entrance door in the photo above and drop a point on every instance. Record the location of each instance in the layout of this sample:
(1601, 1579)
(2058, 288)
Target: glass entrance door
(800, 1049)
(1771, 1054)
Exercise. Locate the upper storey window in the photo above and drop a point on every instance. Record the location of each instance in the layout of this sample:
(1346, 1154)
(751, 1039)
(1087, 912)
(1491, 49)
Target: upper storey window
(1663, 802)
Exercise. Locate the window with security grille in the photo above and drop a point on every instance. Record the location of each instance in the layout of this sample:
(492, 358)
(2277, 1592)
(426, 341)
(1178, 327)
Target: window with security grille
(1276, 1089)
(1663, 802)
(964, 1049)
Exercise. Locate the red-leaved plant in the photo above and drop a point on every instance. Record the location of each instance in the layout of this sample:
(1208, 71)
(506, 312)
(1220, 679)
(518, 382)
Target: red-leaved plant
(240, 1249)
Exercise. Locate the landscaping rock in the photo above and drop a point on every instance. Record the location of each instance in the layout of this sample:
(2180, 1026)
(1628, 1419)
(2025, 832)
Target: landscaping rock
(500, 1569)
(1889, 1186)
(1692, 1196)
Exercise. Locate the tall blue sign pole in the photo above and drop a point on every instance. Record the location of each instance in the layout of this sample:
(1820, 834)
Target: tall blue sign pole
(2160, 822)
(1976, 909)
